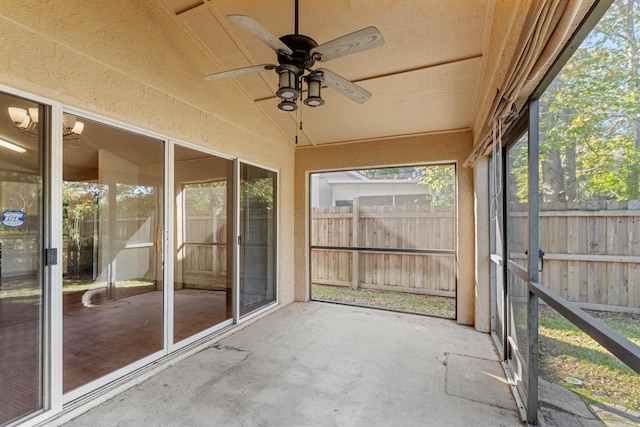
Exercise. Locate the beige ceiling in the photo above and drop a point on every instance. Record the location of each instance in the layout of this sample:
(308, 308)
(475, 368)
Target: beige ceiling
(425, 79)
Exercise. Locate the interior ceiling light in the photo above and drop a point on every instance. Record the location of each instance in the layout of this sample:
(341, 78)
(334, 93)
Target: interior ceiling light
(26, 121)
(11, 146)
(297, 54)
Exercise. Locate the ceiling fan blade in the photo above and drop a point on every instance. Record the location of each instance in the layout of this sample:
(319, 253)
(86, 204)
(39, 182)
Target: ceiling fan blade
(238, 72)
(252, 26)
(361, 40)
(344, 86)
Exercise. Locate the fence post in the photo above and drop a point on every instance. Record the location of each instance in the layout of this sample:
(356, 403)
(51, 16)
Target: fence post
(355, 255)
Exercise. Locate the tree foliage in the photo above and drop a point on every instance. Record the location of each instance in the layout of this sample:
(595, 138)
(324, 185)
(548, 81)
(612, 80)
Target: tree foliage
(206, 197)
(590, 115)
(439, 179)
(409, 172)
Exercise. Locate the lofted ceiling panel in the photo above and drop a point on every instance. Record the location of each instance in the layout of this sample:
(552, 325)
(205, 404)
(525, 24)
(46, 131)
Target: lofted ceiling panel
(423, 80)
(402, 104)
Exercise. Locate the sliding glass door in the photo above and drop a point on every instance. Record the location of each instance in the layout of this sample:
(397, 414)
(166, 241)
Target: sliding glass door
(22, 273)
(202, 285)
(113, 253)
(257, 238)
(125, 199)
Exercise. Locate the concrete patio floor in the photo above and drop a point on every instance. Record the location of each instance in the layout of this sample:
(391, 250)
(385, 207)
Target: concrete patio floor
(318, 364)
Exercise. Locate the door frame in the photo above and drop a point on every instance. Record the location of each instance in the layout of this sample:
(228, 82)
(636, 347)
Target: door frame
(527, 122)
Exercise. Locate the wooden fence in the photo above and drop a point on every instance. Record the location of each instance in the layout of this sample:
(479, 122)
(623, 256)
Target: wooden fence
(592, 250)
(204, 244)
(404, 248)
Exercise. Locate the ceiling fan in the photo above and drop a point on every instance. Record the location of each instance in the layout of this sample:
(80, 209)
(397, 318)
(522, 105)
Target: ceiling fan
(297, 54)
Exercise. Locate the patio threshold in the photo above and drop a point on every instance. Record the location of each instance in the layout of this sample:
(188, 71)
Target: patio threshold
(326, 364)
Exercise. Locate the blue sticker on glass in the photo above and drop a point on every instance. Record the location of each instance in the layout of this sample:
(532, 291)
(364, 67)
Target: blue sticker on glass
(13, 218)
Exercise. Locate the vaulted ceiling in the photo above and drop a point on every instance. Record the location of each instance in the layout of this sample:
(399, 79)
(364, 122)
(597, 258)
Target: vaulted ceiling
(425, 79)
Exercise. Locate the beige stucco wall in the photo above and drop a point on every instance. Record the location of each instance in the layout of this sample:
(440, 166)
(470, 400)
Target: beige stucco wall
(443, 148)
(130, 61)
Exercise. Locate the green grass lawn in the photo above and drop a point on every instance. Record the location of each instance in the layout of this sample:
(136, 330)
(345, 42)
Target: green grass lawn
(400, 301)
(565, 351)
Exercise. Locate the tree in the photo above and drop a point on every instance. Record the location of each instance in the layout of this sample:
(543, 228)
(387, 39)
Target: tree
(393, 173)
(590, 115)
(441, 181)
(80, 200)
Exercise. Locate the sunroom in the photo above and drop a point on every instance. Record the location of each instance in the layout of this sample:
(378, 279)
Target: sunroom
(148, 211)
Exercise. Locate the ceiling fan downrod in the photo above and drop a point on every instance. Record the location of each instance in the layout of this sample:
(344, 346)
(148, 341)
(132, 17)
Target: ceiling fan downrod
(297, 9)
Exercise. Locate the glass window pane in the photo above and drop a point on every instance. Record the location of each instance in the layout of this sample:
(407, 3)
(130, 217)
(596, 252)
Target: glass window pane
(203, 227)
(112, 231)
(21, 275)
(258, 220)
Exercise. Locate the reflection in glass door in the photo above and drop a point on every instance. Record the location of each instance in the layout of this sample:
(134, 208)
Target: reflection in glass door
(257, 240)
(21, 272)
(202, 294)
(517, 236)
(112, 270)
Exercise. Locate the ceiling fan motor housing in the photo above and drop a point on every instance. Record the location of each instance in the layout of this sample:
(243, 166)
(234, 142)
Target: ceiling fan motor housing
(301, 46)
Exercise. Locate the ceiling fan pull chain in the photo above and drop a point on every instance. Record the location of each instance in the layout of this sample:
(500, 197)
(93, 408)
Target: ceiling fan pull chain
(300, 115)
(299, 123)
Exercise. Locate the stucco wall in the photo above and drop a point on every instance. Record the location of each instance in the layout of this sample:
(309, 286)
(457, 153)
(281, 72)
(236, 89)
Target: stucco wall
(443, 148)
(130, 61)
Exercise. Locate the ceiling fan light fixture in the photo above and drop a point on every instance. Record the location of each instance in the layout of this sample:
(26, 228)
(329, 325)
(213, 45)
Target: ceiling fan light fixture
(288, 81)
(287, 106)
(314, 84)
(297, 54)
